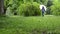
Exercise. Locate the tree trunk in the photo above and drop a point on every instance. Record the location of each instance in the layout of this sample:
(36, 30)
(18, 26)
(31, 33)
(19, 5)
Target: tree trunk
(1, 7)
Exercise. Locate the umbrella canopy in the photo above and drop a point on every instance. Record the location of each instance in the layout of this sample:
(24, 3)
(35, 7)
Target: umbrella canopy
(42, 6)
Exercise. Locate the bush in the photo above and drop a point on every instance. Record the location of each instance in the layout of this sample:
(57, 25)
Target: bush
(48, 12)
(55, 9)
(9, 11)
(29, 9)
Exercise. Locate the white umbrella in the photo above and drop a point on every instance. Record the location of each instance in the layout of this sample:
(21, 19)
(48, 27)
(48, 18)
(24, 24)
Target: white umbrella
(42, 6)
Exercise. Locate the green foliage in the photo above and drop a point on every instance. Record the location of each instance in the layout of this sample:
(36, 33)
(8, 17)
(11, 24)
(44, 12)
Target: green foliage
(8, 6)
(9, 12)
(25, 1)
(12, 5)
(32, 6)
(55, 9)
(8, 3)
(29, 9)
(48, 12)
(49, 3)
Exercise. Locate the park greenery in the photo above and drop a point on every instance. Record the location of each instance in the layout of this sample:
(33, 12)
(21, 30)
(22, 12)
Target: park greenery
(24, 17)
(31, 7)
(24, 7)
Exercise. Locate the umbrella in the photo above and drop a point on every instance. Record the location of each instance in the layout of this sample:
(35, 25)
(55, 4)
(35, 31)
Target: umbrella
(42, 6)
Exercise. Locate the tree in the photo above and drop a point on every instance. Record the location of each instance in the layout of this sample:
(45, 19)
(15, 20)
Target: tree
(1, 7)
(49, 3)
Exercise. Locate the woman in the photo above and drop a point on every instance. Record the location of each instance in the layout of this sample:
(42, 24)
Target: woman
(43, 9)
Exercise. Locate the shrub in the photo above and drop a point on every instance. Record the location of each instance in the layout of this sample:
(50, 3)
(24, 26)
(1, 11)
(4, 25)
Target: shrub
(29, 9)
(55, 9)
(9, 11)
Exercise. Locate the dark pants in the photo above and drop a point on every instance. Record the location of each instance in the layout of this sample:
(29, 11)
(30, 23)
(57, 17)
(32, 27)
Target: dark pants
(42, 13)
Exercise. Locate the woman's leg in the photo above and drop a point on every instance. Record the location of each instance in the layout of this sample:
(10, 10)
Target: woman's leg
(42, 13)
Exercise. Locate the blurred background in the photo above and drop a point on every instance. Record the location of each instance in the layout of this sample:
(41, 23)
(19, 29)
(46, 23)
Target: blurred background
(25, 17)
(31, 7)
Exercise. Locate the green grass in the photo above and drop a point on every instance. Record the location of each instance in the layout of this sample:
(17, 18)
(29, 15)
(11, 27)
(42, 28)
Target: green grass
(30, 25)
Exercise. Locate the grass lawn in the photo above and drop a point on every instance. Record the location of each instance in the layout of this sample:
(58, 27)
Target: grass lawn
(30, 25)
